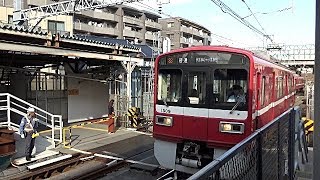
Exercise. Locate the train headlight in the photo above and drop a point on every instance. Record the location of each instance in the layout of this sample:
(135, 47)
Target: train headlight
(164, 120)
(231, 127)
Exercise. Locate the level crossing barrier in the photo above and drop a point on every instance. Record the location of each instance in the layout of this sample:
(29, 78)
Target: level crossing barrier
(67, 131)
(308, 125)
(269, 153)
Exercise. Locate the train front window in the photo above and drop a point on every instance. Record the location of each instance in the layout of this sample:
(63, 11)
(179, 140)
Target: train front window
(230, 87)
(196, 87)
(169, 85)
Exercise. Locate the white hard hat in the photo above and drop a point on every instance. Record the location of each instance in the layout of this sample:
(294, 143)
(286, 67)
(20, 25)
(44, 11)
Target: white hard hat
(30, 109)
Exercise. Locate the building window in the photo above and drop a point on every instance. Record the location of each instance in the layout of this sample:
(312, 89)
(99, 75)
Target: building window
(170, 25)
(56, 27)
(10, 19)
(170, 36)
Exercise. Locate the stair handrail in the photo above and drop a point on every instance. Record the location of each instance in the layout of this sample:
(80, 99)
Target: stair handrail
(51, 118)
(25, 102)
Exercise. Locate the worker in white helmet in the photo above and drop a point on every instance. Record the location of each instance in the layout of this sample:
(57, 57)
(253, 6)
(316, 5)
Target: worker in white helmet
(28, 129)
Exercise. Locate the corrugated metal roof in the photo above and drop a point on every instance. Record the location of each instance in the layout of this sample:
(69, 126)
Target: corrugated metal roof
(77, 38)
(124, 43)
(121, 43)
(22, 29)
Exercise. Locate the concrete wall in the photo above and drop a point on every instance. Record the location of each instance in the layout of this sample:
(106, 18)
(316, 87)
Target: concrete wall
(86, 99)
(7, 3)
(18, 87)
(4, 12)
(175, 30)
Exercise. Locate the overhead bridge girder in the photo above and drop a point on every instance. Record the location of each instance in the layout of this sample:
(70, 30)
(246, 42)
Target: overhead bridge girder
(290, 54)
(64, 7)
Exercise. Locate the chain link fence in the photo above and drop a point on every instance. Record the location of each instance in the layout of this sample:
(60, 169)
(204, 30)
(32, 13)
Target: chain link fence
(266, 154)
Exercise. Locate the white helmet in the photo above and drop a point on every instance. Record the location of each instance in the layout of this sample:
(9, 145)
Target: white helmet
(30, 109)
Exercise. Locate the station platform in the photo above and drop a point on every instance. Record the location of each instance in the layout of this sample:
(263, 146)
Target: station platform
(124, 143)
(305, 171)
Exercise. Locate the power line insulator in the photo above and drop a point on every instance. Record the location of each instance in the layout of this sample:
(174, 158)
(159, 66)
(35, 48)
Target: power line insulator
(160, 9)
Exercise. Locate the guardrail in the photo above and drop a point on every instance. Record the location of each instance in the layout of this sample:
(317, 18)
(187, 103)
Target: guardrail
(269, 153)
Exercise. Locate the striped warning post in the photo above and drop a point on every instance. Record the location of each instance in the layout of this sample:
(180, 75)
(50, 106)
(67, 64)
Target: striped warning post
(133, 116)
(308, 125)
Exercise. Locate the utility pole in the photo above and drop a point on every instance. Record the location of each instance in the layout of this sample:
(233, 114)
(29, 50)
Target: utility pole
(316, 133)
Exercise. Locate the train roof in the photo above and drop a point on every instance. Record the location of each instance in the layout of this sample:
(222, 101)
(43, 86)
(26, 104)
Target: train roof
(261, 59)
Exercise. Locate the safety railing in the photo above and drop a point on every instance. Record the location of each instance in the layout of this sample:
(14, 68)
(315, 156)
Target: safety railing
(269, 153)
(11, 104)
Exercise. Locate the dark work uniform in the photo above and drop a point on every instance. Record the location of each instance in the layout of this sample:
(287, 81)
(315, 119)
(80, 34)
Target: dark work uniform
(110, 109)
(28, 127)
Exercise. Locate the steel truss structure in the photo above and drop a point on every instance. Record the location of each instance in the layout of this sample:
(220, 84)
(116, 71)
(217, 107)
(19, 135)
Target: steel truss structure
(65, 7)
(290, 54)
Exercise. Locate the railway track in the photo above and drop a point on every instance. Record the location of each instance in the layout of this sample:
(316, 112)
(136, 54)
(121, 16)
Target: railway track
(79, 167)
(123, 156)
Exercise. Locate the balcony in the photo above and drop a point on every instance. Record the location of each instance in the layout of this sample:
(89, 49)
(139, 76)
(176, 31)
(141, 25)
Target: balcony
(134, 34)
(197, 33)
(186, 30)
(100, 15)
(197, 43)
(184, 40)
(153, 25)
(93, 29)
(149, 36)
(190, 42)
(132, 20)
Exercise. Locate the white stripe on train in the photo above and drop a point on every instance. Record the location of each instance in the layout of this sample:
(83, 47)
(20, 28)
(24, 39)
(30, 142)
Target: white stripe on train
(216, 113)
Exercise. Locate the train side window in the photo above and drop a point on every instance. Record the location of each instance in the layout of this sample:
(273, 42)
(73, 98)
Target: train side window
(196, 87)
(279, 87)
(292, 84)
(289, 85)
(263, 90)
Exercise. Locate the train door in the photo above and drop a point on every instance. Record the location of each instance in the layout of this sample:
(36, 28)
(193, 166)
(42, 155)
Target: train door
(196, 113)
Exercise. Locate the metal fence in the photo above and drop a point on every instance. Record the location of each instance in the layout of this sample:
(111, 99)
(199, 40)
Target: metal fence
(266, 154)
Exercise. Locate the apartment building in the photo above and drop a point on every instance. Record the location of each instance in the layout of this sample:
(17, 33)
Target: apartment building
(62, 24)
(184, 33)
(121, 22)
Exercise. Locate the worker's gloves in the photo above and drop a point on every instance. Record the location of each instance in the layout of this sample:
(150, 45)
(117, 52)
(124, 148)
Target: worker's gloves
(22, 136)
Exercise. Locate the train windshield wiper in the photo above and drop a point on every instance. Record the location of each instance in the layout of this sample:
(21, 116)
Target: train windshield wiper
(164, 101)
(240, 100)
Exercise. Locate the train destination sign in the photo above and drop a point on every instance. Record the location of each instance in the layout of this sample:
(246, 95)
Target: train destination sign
(203, 57)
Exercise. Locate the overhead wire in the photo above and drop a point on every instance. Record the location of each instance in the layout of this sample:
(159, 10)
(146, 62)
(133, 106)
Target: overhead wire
(226, 9)
(270, 12)
(254, 15)
(168, 15)
(228, 39)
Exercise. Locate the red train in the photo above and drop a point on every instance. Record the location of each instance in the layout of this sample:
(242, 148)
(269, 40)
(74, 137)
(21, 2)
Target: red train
(209, 98)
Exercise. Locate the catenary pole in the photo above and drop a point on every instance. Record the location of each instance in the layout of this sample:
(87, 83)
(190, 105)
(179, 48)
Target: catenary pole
(316, 133)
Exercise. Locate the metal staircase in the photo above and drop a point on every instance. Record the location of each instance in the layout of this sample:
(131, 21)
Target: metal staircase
(13, 106)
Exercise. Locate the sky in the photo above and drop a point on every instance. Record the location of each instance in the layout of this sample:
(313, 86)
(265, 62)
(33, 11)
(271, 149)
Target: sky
(289, 22)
